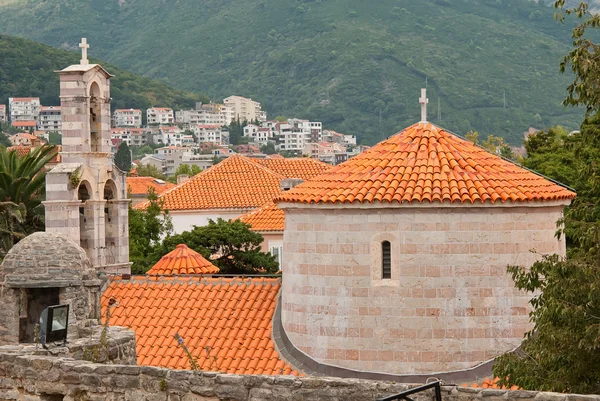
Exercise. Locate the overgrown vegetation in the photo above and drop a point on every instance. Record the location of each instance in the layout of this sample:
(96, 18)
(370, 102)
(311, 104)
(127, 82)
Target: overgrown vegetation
(355, 66)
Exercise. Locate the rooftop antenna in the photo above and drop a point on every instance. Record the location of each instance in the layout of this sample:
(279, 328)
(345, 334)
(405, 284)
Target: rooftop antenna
(423, 100)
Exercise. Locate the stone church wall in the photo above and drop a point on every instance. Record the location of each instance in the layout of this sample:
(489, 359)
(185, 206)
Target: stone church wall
(37, 378)
(450, 303)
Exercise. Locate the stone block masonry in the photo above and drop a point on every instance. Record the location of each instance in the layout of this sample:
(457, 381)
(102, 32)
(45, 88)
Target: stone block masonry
(40, 378)
(450, 304)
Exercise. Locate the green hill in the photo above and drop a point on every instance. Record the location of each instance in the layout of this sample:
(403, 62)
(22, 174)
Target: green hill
(27, 69)
(356, 65)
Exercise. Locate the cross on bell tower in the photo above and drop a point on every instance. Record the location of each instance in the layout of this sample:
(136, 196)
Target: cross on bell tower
(86, 194)
(423, 100)
(84, 48)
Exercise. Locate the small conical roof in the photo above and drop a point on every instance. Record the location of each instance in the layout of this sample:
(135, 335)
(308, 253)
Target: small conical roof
(182, 260)
(426, 164)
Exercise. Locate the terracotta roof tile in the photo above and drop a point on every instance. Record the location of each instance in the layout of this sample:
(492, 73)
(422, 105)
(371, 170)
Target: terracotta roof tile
(25, 150)
(237, 182)
(183, 260)
(304, 168)
(140, 185)
(266, 218)
(425, 163)
(225, 323)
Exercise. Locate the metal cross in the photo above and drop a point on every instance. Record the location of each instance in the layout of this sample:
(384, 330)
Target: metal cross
(423, 100)
(84, 46)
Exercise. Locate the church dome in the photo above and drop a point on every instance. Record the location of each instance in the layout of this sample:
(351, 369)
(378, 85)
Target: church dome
(45, 260)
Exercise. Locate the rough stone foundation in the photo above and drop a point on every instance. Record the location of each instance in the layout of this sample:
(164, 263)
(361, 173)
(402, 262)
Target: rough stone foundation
(40, 378)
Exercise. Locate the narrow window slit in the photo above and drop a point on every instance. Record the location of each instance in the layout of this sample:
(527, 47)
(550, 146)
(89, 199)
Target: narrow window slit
(386, 260)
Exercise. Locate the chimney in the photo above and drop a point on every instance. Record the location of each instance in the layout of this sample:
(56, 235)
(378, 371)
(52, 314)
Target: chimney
(288, 183)
(182, 178)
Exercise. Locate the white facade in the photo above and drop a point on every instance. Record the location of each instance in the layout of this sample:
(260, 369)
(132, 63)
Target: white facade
(208, 133)
(127, 118)
(2, 112)
(171, 136)
(24, 108)
(131, 136)
(245, 109)
(298, 133)
(160, 115)
(186, 220)
(50, 119)
(209, 114)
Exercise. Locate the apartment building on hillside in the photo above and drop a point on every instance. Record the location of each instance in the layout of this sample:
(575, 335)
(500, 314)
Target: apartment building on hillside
(50, 119)
(127, 118)
(2, 112)
(24, 108)
(160, 115)
(245, 109)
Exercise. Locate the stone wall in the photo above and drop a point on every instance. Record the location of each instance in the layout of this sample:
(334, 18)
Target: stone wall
(87, 344)
(38, 378)
(449, 304)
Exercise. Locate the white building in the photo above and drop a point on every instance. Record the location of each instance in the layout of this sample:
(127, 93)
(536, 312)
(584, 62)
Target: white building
(245, 109)
(160, 115)
(2, 112)
(49, 119)
(127, 118)
(24, 108)
(258, 135)
(170, 135)
(208, 133)
(131, 136)
(336, 137)
(212, 113)
(298, 133)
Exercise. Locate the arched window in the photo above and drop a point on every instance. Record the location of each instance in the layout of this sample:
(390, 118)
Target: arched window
(386, 260)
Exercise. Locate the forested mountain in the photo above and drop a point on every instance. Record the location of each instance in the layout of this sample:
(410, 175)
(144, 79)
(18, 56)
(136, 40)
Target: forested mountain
(356, 65)
(27, 69)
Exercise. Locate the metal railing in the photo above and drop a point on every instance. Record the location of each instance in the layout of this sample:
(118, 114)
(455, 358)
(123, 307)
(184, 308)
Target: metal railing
(405, 394)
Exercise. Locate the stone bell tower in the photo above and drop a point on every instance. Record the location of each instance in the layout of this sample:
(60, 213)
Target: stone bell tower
(86, 194)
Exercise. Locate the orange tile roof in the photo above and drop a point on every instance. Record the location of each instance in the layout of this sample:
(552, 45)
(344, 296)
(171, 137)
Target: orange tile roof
(140, 185)
(225, 323)
(237, 183)
(304, 167)
(25, 150)
(183, 260)
(24, 124)
(425, 163)
(266, 218)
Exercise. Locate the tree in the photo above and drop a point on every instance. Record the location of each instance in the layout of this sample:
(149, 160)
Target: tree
(123, 157)
(4, 141)
(12, 217)
(268, 148)
(141, 151)
(146, 229)
(149, 170)
(582, 60)
(22, 183)
(187, 169)
(562, 351)
(54, 138)
(238, 247)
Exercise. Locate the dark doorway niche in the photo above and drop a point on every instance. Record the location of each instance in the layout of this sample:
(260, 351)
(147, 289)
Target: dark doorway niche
(51, 397)
(35, 301)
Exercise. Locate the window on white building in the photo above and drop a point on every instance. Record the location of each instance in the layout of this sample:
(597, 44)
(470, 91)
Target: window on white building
(277, 251)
